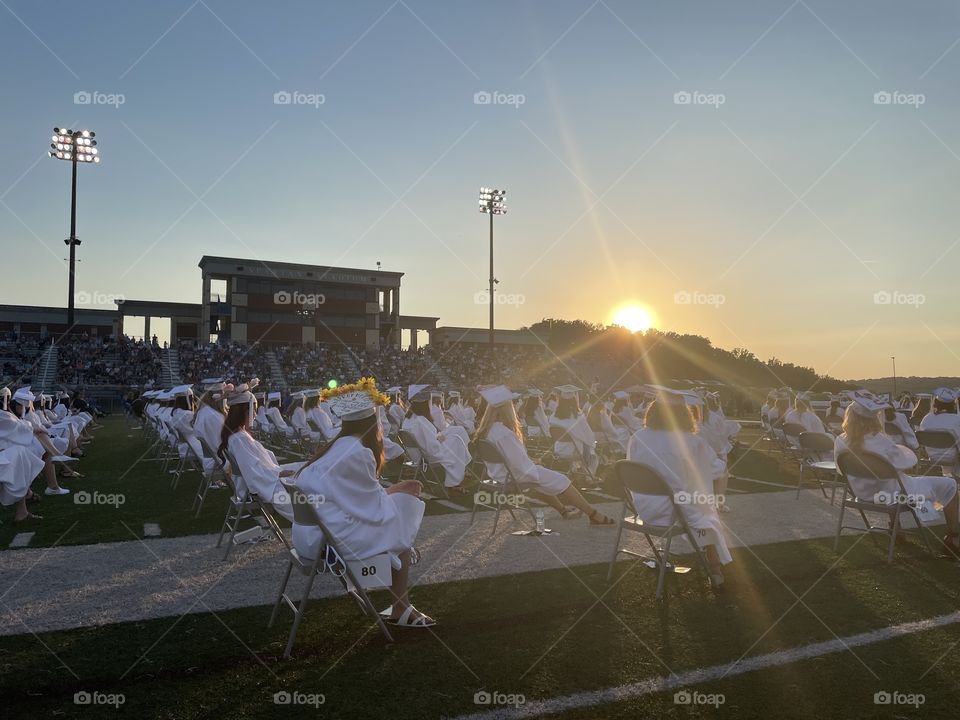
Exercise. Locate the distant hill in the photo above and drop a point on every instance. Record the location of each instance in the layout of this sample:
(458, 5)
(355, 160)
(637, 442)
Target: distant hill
(907, 384)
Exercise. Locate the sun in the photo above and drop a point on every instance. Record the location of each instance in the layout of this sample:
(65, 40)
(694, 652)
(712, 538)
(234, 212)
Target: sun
(633, 317)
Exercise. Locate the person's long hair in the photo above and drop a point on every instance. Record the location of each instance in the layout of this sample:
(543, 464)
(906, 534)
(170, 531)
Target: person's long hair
(208, 398)
(593, 417)
(505, 414)
(567, 408)
(421, 408)
(237, 420)
(920, 410)
(183, 402)
(367, 430)
(669, 416)
(530, 406)
(856, 427)
(939, 406)
(310, 402)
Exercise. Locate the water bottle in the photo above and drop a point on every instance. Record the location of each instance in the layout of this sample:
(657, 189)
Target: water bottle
(541, 525)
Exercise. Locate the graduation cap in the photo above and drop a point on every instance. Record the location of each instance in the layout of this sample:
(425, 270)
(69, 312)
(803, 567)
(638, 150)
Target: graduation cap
(497, 395)
(866, 404)
(567, 392)
(945, 395)
(414, 390)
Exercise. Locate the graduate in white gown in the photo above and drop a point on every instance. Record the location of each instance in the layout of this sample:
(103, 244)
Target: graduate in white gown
(669, 444)
(448, 449)
(943, 416)
(17, 433)
(274, 416)
(463, 415)
(207, 426)
(184, 412)
(318, 416)
(19, 466)
(259, 470)
(501, 427)
(579, 445)
(624, 410)
(397, 410)
(863, 433)
(343, 483)
(803, 414)
(534, 416)
(904, 431)
(391, 450)
(298, 418)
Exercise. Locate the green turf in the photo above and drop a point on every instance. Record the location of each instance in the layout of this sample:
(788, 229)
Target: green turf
(541, 634)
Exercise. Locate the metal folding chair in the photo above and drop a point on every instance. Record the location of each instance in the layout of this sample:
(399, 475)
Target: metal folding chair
(562, 435)
(941, 448)
(207, 479)
(873, 467)
(487, 452)
(305, 513)
(642, 479)
(432, 473)
(816, 455)
(245, 505)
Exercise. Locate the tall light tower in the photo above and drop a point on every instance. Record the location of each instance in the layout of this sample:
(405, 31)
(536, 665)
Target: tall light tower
(75, 146)
(491, 202)
(894, 360)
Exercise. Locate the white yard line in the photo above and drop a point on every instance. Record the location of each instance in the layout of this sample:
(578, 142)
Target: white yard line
(704, 675)
(151, 530)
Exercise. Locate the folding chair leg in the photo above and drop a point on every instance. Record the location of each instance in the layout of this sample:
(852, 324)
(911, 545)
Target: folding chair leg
(843, 508)
(893, 536)
(283, 589)
(800, 481)
(298, 616)
(662, 575)
(616, 548)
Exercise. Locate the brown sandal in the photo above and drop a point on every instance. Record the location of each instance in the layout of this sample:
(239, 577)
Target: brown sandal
(604, 521)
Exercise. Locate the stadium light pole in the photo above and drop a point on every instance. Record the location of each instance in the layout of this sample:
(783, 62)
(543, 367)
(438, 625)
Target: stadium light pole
(491, 203)
(894, 360)
(74, 146)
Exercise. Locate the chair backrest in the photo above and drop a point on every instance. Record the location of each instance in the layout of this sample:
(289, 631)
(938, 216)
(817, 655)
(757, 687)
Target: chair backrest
(641, 478)
(487, 452)
(816, 442)
(936, 439)
(209, 451)
(793, 429)
(559, 434)
(892, 429)
(866, 466)
(304, 513)
(407, 440)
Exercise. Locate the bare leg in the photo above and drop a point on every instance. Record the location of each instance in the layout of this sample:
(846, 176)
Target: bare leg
(50, 473)
(572, 496)
(398, 590)
(21, 512)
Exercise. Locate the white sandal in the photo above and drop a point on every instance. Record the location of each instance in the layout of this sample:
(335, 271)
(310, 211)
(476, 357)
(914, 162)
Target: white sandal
(407, 621)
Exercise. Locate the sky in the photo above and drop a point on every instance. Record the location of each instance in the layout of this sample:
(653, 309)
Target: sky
(776, 175)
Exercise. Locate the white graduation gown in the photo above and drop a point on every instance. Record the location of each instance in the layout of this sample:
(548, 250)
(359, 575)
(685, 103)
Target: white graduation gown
(685, 462)
(362, 517)
(935, 490)
(182, 420)
(323, 421)
(540, 427)
(618, 435)
(583, 443)
(526, 472)
(260, 472)
(209, 425)
(18, 468)
(299, 421)
(809, 420)
(446, 449)
(14, 431)
(460, 416)
(273, 414)
(438, 418)
(906, 432)
(396, 414)
(950, 422)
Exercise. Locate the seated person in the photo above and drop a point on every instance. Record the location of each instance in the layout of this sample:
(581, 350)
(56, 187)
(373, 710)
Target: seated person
(364, 518)
(669, 444)
(501, 427)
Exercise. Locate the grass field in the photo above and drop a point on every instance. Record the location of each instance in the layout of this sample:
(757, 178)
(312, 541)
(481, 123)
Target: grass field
(531, 636)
